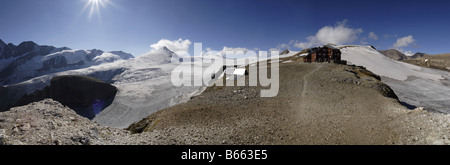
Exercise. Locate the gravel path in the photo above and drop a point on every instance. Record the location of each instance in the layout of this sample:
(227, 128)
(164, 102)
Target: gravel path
(305, 82)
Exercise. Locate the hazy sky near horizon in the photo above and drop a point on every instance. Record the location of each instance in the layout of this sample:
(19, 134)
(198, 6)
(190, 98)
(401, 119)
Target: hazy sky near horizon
(134, 25)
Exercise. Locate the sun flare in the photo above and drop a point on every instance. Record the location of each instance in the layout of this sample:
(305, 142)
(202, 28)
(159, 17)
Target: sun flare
(94, 7)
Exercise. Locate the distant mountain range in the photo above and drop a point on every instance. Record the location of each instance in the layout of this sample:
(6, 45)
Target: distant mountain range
(439, 61)
(28, 60)
(399, 56)
(143, 83)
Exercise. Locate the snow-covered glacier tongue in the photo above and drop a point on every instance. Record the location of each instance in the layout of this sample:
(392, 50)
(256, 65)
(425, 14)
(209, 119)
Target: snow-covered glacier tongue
(415, 86)
(143, 84)
(146, 87)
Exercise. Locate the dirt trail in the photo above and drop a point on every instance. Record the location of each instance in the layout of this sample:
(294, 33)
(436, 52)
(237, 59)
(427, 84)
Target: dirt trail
(305, 80)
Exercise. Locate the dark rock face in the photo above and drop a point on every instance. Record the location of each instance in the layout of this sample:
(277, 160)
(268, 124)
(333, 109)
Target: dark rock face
(86, 95)
(23, 52)
(26, 47)
(4, 96)
(418, 55)
(93, 54)
(55, 62)
(7, 51)
(2, 46)
(44, 50)
(284, 52)
(79, 91)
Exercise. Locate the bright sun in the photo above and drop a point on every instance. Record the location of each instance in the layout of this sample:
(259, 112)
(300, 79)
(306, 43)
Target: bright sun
(94, 6)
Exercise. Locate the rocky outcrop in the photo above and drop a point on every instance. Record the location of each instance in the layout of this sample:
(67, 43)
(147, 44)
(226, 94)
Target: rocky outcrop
(366, 78)
(86, 95)
(284, 52)
(48, 122)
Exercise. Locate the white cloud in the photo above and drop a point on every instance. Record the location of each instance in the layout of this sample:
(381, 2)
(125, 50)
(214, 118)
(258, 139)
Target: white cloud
(373, 36)
(338, 34)
(404, 41)
(174, 46)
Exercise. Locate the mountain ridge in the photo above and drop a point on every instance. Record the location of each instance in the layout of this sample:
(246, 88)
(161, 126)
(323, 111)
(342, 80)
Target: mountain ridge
(394, 54)
(29, 60)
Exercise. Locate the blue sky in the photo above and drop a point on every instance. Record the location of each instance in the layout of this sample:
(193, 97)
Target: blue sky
(133, 25)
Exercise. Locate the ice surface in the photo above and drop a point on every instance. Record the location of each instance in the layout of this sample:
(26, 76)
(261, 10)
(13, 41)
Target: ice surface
(414, 85)
(382, 65)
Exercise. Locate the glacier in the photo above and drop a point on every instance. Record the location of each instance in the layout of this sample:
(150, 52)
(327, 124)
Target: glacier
(415, 86)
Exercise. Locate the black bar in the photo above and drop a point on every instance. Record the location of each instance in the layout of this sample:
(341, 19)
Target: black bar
(270, 154)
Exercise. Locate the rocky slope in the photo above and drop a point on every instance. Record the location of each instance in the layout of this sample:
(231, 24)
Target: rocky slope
(49, 123)
(394, 54)
(439, 61)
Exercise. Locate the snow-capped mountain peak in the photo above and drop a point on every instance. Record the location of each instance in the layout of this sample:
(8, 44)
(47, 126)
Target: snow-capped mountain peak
(161, 56)
(29, 60)
(167, 50)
